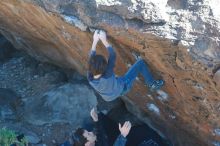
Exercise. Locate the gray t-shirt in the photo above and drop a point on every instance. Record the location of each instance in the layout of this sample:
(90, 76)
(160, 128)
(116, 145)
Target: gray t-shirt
(108, 85)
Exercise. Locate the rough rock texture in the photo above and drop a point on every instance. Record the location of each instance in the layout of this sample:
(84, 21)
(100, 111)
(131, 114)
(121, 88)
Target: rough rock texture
(179, 39)
(217, 76)
(38, 99)
(6, 49)
(63, 104)
(9, 102)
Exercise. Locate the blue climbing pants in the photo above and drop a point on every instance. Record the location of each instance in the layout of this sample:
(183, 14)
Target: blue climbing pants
(138, 68)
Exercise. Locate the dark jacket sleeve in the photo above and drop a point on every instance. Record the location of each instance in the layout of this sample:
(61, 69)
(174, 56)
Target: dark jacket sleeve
(92, 53)
(89, 75)
(120, 141)
(111, 62)
(102, 139)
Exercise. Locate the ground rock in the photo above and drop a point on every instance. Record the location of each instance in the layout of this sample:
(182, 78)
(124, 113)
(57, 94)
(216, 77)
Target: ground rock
(6, 49)
(62, 104)
(9, 104)
(33, 139)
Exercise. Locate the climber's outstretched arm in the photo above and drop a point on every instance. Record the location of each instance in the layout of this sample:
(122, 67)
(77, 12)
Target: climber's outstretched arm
(111, 52)
(94, 43)
(103, 38)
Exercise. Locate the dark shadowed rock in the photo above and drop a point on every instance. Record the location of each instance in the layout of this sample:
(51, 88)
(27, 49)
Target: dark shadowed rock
(6, 49)
(217, 77)
(9, 104)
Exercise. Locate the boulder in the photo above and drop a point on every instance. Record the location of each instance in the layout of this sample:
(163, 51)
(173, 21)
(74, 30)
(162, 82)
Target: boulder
(68, 103)
(179, 40)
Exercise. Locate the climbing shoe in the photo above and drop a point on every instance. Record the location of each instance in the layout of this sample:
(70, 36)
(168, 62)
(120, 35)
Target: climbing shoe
(156, 85)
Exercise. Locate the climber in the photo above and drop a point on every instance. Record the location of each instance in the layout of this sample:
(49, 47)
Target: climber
(101, 75)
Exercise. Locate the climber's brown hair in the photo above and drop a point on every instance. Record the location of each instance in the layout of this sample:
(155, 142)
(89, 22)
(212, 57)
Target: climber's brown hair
(97, 64)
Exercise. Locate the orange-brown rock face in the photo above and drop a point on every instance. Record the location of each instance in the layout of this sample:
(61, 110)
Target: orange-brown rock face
(188, 113)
